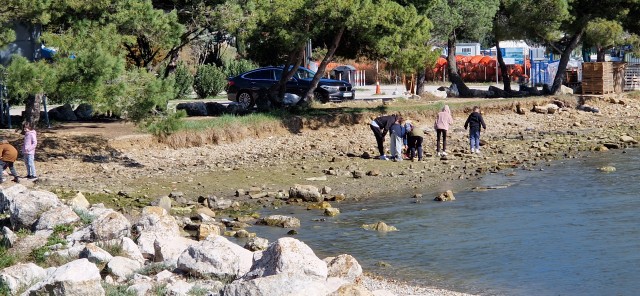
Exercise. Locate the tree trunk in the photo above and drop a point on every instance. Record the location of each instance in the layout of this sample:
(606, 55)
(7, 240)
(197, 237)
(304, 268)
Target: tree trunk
(420, 82)
(564, 61)
(503, 68)
(290, 68)
(173, 63)
(601, 54)
(323, 66)
(240, 44)
(32, 109)
(463, 90)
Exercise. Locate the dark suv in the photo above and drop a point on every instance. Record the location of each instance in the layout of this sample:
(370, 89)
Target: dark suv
(246, 87)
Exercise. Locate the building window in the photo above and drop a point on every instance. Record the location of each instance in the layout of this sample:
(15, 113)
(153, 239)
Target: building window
(466, 50)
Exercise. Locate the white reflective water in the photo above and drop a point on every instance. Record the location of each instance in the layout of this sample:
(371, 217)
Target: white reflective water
(567, 230)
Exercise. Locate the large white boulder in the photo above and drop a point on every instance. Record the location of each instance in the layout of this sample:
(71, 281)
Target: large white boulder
(21, 276)
(179, 287)
(287, 255)
(280, 221)
(57, 216)
(9, 238)
(121, 267)
(109, 225)
(79, 202)
(95, 254)
(216, 258)
(140, 289)
(154, 223)
(168, 249)
(345, 267)
(280, 284)
(157, 219)
(76, 278)
(26, 206)
(305, 192)
(130, 250)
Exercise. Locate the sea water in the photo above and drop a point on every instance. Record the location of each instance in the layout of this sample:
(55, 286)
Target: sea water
(563, 229)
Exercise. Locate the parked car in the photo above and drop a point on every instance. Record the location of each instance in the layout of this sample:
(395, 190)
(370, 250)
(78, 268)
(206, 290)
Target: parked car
(246, 87)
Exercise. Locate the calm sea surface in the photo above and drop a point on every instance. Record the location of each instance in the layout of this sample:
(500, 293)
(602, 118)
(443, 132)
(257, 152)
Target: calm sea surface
(566, 230)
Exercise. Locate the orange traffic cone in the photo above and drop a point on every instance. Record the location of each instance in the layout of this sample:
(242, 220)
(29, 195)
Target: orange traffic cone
(378, 92)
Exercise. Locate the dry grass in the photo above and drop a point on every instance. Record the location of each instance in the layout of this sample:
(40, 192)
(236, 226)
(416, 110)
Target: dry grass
(230, 129)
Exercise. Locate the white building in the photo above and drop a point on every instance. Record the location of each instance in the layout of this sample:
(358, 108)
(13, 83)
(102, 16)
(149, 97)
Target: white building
(468, 49)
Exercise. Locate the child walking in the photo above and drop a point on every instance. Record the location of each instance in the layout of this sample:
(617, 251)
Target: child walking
(8, 155)
(29, 150)
(415, 139)
(474, 122)
(397, 140)
(443, 121)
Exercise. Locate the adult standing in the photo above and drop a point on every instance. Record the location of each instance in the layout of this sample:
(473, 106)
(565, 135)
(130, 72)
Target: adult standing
(380, 126)
(443, 121)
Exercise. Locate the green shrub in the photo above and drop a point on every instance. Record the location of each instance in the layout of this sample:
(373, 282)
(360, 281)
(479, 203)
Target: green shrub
(166, 125)
(85, 217)
(198, 291)
(113, 248)
(6, 259)
(116, 290)
(38, 255)
(235, 67)
(161, 290)
(209, 81)
(153, 268)
(183, 81)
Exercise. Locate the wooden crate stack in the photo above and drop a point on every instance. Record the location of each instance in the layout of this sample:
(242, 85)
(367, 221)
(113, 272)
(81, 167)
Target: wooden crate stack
(632, 78)
(597, 78)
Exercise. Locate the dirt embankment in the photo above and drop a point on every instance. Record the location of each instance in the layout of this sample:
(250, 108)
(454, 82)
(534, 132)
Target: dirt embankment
(109, 158)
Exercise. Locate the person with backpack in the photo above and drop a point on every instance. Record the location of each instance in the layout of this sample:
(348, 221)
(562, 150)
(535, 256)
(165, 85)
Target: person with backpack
(414, 141)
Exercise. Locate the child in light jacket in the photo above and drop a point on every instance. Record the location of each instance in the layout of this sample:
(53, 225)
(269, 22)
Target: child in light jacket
(29, 150)
(443, 121)
(398, 132)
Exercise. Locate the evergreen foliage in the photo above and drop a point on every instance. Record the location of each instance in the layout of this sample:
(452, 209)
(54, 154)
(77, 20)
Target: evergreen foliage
(209, 81)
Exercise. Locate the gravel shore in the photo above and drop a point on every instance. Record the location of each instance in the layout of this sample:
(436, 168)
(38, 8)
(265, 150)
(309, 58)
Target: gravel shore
(388, 287)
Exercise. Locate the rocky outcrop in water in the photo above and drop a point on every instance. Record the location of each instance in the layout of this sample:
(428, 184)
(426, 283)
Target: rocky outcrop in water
(380, 227)
(445, 196)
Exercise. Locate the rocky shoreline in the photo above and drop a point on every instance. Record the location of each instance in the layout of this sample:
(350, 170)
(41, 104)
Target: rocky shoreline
(70, 247)
(216, 191)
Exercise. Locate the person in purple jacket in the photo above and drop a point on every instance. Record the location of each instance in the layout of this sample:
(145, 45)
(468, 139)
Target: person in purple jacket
(443, 121)
(29, 150)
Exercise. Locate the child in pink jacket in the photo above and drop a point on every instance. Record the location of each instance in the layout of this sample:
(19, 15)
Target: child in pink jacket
(29, 150)
(443, 121)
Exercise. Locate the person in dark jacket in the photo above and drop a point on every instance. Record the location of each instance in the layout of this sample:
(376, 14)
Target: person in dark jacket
(380, 126)
(8, 155)
(475, 122)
